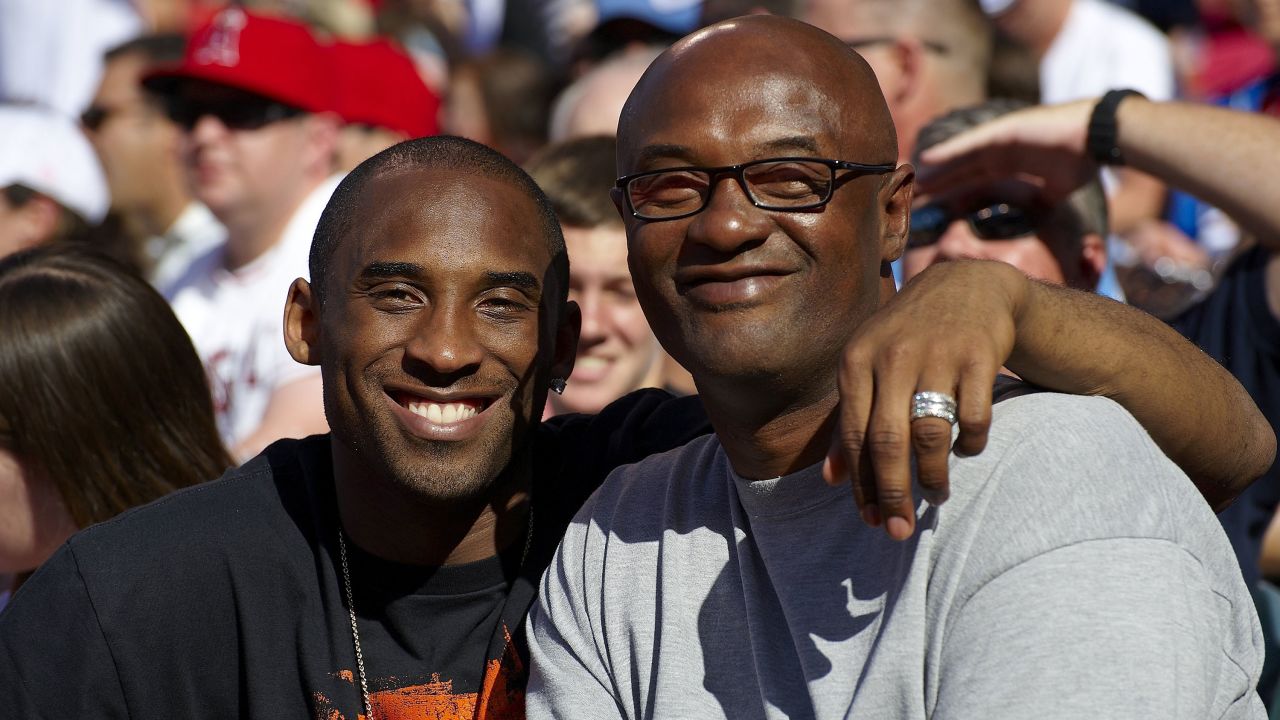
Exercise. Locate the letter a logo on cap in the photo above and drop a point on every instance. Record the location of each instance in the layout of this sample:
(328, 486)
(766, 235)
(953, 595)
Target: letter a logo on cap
(222, 47)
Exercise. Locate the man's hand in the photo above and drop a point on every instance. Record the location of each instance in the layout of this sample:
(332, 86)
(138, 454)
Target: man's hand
(949, 330)
(1043, 145)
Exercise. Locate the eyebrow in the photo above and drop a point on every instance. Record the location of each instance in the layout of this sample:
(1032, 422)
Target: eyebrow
(385, 269)
(803, 143)
(650, 153)
(515, 278)
(794, 143)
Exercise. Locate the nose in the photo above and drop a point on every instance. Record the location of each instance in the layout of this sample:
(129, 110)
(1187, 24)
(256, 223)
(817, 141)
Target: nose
(729, 221)
(958, 242)
(594, 322)
(444, 344)
(206, 128)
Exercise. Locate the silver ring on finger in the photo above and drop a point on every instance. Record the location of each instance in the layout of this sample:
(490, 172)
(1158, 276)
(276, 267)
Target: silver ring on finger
(928, 403)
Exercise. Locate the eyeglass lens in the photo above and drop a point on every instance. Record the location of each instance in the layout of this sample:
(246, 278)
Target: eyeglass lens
(1000, 221)
(248, 114)
(775, 185)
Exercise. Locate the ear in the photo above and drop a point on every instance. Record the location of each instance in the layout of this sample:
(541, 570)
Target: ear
(566, 347)
(302, 323)
(322, 140)
(907, 55)
(36, 220)
(895, 207)
(1093, 260)
(619, 202)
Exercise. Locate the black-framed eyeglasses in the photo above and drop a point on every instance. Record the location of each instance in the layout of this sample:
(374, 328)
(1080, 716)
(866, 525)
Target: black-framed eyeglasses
(249, 113)
(789, 184)
(998, 221)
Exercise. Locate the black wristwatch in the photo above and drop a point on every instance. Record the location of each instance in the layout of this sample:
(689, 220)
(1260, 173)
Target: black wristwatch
(1101, 142)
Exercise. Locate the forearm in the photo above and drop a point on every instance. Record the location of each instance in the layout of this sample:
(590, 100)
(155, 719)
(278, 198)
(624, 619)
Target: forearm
(1138, 197)
(1221, 156)
(1197, 413)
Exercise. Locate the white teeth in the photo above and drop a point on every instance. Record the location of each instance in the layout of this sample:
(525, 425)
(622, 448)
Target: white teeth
(592, 363)
(447, 414)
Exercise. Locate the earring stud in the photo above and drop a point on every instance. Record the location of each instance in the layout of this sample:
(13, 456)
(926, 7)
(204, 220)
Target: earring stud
(558, 385)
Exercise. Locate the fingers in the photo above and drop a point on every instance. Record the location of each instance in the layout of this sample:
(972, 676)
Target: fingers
(888, 445)
(973, 414)
(847, 456)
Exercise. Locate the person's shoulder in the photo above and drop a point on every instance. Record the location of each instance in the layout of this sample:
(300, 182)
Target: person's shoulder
(197, 279)
(226, 515)
(660, 489)
(1041, 438)
(1061, 470)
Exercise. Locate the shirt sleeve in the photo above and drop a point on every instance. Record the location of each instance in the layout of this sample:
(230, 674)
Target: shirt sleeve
(54, 657)
(579, 451)
(1117, 628)
(567, 675)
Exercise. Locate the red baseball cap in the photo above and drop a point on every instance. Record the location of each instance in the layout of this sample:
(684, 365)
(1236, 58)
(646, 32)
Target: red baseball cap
(378, 84)
(273, 57)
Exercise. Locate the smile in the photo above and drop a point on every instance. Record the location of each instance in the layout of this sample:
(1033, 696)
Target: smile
(444, 413)
(729, 291)
(447, 419)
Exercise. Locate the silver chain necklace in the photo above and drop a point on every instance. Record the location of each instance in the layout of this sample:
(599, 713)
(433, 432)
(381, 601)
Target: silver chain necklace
(351, 606)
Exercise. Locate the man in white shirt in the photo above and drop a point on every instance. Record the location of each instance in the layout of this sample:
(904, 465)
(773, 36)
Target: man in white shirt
(259, 148)
(138, 146)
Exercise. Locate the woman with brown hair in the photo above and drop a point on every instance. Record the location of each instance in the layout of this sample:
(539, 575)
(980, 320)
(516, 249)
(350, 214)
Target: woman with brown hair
(103, 401)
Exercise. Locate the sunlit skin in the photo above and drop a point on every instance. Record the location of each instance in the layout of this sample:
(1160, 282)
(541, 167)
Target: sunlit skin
(617, 352)
(758, 304)
(1053, 254)
(138, 147)
(442, 299)
(1028, 254)
(251, 178)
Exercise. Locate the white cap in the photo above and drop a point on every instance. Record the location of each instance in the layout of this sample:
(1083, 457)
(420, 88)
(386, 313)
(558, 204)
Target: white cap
(49, 154)
(996, 7)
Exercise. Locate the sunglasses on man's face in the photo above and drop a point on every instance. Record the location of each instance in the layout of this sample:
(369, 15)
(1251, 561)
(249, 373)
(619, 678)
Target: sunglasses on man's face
(998, 221)
(241, 114)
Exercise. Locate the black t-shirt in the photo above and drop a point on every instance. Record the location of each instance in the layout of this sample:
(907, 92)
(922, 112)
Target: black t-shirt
(226, 600)
(1234, 326)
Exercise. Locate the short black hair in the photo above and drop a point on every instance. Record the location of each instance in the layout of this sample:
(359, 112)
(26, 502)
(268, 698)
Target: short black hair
(438, 152)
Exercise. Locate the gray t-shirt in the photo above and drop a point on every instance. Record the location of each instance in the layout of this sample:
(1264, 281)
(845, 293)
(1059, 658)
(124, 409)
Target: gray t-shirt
(1074, 573)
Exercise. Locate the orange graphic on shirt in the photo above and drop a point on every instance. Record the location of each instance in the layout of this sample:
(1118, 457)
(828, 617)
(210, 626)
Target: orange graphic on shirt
(501, 695)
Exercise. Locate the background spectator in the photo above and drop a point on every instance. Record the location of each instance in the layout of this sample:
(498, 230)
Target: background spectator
(617, 352)
(381, 97)
(90, 352)
(163, 227)
(51, 186)
(259, 147)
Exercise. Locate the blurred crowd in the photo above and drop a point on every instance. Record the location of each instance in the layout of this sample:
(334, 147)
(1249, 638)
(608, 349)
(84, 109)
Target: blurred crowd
(164, 165)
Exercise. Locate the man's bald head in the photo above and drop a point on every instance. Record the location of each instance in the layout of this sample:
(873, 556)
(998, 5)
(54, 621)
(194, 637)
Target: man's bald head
(743, 290)
(930, 56)
(754, 51)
